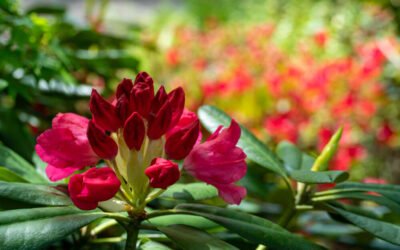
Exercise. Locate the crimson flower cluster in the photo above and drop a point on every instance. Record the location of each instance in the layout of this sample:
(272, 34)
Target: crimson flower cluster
(140, 136)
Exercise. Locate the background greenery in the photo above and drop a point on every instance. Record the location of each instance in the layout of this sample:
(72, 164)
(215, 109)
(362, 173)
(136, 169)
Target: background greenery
(49, 63)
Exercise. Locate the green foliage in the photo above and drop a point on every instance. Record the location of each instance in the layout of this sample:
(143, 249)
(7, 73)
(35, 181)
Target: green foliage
(250, 227)
(13, 162)
(37, 228)
(191, 238)
(47, 63)
(191, 192)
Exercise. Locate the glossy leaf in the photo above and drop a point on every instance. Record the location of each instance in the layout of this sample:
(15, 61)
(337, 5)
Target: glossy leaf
(212, 117)
(191, 238)
(20, 166)
(250, 227)
(390, 191)
(306, 176)
(39, 227)
(290, 155)
(9, 176)
(307, 161)
(384, 230)
(382, 200)
(191, 192)
(33, 194)
(184, 219)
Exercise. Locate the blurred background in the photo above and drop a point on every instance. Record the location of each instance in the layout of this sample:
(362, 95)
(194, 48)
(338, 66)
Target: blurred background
(288, 70)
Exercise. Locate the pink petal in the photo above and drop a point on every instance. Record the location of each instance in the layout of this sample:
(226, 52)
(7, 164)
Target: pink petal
(56, 174)
(231, 194)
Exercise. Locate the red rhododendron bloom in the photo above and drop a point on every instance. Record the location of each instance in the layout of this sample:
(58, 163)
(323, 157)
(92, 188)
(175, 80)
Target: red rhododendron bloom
(219, 162)
(162, 173)
(93, 186)
(65, 147)
(138, 136)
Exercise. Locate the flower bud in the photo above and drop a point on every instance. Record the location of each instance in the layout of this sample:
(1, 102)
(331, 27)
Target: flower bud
(159, 100)
(144, 77)
(159, 122)
(134, 131)
(177, 100)
(123, 108)
(93, 186)
(329, 151)
(104, 113)
(180, 143)
(141, 97)
(124, 88)
(103, 145)
(160, 115)
(162, 173)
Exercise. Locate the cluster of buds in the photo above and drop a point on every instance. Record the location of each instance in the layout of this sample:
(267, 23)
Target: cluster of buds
(140, 136)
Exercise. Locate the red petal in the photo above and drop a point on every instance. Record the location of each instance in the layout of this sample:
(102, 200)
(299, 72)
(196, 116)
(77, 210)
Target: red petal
(180, 143)
(162, 173)
(177, 100)
(103, 145)
(124, 88)
(104, 113)
(134, 131)
(159, 123)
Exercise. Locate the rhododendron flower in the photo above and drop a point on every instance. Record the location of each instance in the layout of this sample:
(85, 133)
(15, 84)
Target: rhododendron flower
(162, 173)
(93, 186)
(139, 136)
(65, 147)
(219, 162)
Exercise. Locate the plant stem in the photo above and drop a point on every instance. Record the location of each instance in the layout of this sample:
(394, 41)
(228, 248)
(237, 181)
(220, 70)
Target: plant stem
(132, 231)
(287, 216)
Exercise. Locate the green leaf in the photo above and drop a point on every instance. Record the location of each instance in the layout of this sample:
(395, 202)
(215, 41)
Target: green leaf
(184, 219)
(307, 161)
(369, 186)
(384, 230)
(17, 164)
(33, 194)
(20, 215)
(191, 238)
(9, 176)
(191, 192)
(390, 191)
(39, 227)
(250, 227)
(306, 176)
(290, 154)
(152, 245)
(255, 150)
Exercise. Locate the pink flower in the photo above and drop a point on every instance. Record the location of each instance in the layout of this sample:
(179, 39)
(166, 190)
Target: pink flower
(219, 162)
(183, 136)
(65, 147)
(88, 189)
